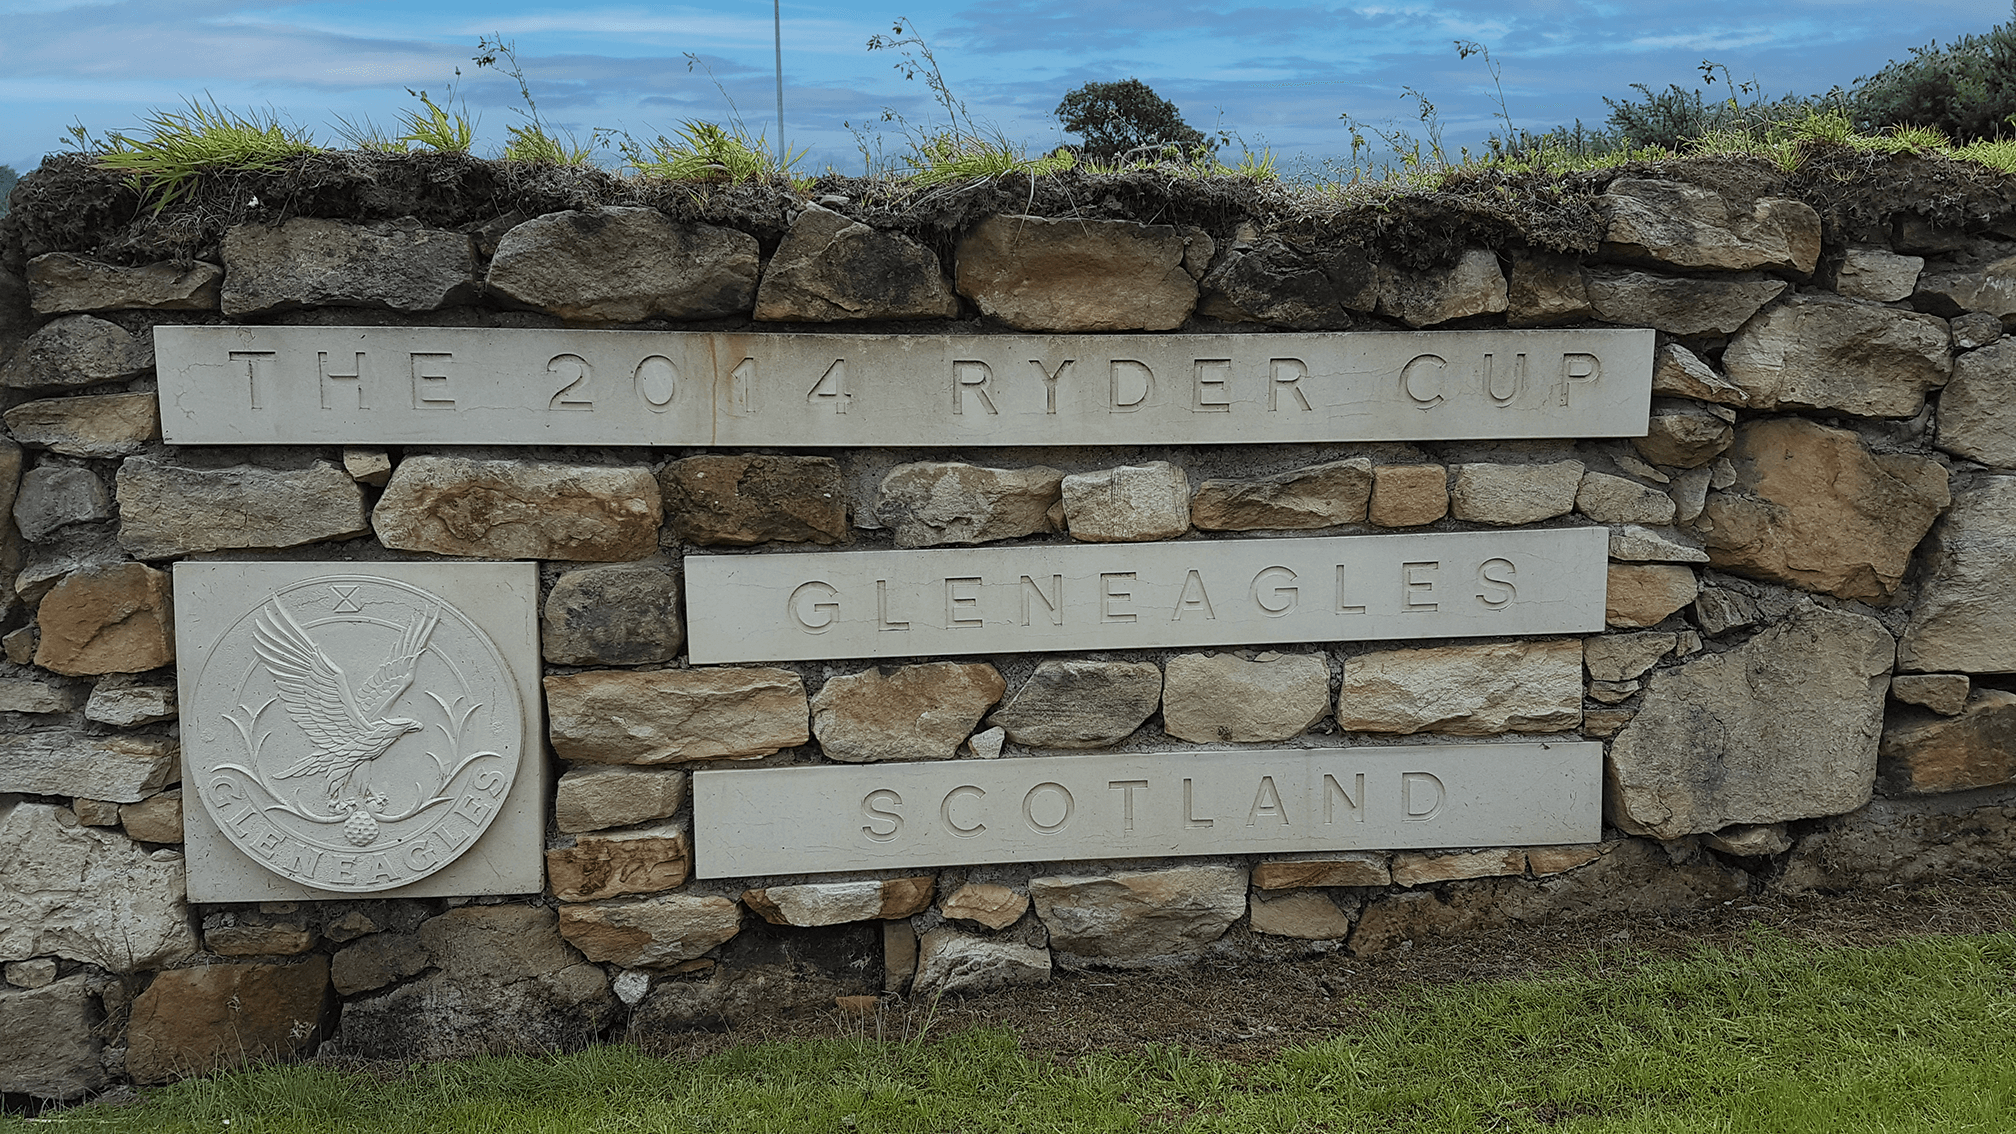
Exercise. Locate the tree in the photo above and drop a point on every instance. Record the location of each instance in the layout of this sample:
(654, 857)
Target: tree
(1115, 118)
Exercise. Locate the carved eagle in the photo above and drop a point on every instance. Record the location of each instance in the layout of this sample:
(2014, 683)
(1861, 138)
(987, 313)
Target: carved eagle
(345, 728)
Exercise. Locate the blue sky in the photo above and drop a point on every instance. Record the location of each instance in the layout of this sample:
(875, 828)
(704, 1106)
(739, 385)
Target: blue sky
(1279, 72)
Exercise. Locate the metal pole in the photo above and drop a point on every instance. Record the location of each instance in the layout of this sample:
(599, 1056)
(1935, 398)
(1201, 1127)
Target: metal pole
(777, 28)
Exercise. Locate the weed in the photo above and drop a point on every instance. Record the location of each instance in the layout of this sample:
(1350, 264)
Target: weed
(704, 151)
(961, 150)
(435, 127)
(532, 141)
(164, 159)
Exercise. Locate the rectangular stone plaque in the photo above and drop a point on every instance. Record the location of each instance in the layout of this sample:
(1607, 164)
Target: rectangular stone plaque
(1015, 598)
(1143, 805)
(360, 730)
(449, 385)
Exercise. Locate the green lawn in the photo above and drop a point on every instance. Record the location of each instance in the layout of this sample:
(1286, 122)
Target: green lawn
(1917, 1035)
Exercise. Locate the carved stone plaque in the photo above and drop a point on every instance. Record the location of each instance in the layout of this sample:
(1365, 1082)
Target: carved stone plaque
(454, 385)
(360, 729)
(1012, 598)
(1140, 805)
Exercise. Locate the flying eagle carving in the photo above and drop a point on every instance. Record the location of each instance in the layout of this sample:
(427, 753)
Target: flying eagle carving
(346, 728)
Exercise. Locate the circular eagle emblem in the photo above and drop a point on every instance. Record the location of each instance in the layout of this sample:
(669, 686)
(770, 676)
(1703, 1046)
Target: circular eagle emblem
(358, 733)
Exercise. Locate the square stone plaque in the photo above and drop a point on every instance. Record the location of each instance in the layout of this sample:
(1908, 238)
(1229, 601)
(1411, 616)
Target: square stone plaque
(360, 730)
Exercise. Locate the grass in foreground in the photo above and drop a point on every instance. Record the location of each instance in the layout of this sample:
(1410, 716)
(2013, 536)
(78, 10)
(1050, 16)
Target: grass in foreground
(1776, 1037)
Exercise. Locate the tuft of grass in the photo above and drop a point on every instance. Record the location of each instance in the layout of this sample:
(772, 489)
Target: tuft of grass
(436, 127)
(173, 148)
(953, 156)
(704, 151)
(532, 143)
(1774, 1035)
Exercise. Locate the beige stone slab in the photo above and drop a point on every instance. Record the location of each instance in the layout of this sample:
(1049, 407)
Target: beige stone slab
(1040, 597)
(439, 662)
(1144, 805)
(448, 385)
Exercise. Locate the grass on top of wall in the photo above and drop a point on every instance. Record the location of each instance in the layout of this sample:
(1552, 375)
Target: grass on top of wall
(1776, 1036)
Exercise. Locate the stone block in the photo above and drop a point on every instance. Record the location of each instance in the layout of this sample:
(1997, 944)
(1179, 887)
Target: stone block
(1622, 657)
(245, 940)
(1269, 282)
(1222, 698)
(1782, 727)
(1545, 289)
(617, 264)
(121, 702)
(88, 894)
(1915, 840)
(1068, 274)
(37, 973)
(1877, 274)
(1127, 504)
(191, 1022)
(1685, 226)
(1614, 500)
(1977, 419)
(1750, 840)
(831, 269)
(1814, 508)
(1636, 543)
(598, 796)
(96, 425)
(1545, 861)
(951, 961)
(168, 511)
(1974, 284)
(837, 903)
(1825, 352)
(1645, 594)
(1680, 373)
(60, 283)
(23, 695)
(742, 499)
(368, 466)
(1341, 868)
(1467, 690)
(1138, 918)
(1075, 703)
(95, 812)
(74, 351)
(616, 614)
(930, 503)
(608, 864)
(49, 1041)
(1319, 496)
(1514, 494)
(1974, 329)
(1963, 621)
(1474, 285)
(504, 980)
(117, 618)
(1718, 611)
(671, 716)
(916, 712)
(398, 265)
(156, 819)
(377, 960)
(991, 905)
(52, 496)
(1679, 305)
(1943, 693)
(1419, 868)
(1922, 754)
(654, 932)
(1305, 915)
(508, 509)
(1405, 496)
(1683, 434)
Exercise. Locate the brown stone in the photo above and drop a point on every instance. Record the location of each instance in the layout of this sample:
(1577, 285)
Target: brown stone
(1068, 274)
(156, 819)
(1683, 434)
(1963, 621)
(87, 893)
(1610, 499)
(992, 905)
(1474, 285)
(1686, 226)
(63, 282)
(1514, 494)
(837, 903)
(1319, 496)
(738, 500)
(95, 425)
(1467, 690)
(1306, 915)
(1405, 496)
(1621, 657)
(1543, 861)
(519, 509)
(1680, 305)
(1913, 840)
(1645, 594)
(1546, 289)
(259, 941)
(169, 510)
(1943, 693)
(1418, 868)
(1680, 373)
(1825, 352)
(669, 716)
(931, 503)
(597, 796)
(625, 264)
(1814, 508)
(376, 961)
(1128, 503)
(1138, 918)
(917, 712)
(397, 265)
(1977, 419)
(77, 350)
(195, 1021)
(1922, 754)
(613, 614)
(1075, 703)
(1341, 868)
(951, 961)
(653, 932)
(49, 1039)
(110, 619)
(1223, 698)
(831, 269)
(642, 860)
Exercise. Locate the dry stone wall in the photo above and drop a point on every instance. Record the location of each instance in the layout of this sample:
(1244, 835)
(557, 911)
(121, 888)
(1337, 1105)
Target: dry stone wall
(1805, 680)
